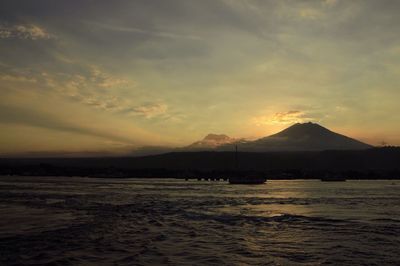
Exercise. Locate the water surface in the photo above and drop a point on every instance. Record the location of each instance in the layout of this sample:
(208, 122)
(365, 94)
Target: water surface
(88, 221)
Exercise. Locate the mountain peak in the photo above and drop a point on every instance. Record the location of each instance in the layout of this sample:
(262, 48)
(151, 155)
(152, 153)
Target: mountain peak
(301, 129)
(307, 125)
(212, 141)
(216, 137)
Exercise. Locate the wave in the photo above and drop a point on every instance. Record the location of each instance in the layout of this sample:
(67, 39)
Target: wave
(282, 218)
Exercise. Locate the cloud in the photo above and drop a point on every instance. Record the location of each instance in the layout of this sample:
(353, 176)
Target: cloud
(149, 110)
(310, 13)
(24, 31)
(108, 104)
(10, 74)
(93, 89)
(283, 118)
(330, 2)
(16, 78)
(105, 80)
(91, 86)
(155, 33)
(89, 90)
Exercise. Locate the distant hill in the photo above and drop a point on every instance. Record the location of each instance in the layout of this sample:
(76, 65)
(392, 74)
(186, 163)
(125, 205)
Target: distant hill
(303, 137)
(208, 143)
(211, 141)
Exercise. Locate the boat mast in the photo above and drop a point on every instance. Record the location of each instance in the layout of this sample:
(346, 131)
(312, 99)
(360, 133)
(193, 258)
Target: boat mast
(236, 158)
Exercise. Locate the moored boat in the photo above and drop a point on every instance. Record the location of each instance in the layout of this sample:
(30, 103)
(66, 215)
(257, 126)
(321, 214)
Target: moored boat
(244, 179)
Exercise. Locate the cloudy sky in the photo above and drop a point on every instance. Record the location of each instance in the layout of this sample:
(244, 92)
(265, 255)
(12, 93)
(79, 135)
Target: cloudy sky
(114, 75)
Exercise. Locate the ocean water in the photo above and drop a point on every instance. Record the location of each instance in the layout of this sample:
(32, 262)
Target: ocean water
(88, 221)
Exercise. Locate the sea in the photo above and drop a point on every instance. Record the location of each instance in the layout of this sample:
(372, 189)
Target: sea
(92, 221)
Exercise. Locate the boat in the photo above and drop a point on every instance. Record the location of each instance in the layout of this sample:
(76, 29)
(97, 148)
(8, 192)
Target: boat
(246, 179)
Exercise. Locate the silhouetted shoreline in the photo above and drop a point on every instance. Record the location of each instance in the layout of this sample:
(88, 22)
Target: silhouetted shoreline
(377, 163)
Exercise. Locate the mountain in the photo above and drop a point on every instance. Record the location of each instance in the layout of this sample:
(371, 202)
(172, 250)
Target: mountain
(304, 137)
(211, 141)
(298, 137)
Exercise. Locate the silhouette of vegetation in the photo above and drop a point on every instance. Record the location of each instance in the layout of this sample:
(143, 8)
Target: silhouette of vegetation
(376, 163)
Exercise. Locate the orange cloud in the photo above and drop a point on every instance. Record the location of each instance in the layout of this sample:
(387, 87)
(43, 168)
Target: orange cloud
(289, 117)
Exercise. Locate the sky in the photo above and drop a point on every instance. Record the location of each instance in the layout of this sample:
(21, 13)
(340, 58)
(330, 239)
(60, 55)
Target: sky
(111, 76)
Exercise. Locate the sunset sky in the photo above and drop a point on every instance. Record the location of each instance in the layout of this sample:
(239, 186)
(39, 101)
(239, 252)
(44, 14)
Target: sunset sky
(94, 76)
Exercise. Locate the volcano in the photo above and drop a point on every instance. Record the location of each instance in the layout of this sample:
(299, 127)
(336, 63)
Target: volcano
(304, 137)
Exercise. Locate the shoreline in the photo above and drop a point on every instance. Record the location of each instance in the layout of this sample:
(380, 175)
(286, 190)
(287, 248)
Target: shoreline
(204, 180)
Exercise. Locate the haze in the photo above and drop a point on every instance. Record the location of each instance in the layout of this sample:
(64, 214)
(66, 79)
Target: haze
(111, 76)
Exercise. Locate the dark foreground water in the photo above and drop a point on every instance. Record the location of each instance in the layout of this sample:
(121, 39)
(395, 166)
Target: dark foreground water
(82, 221)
